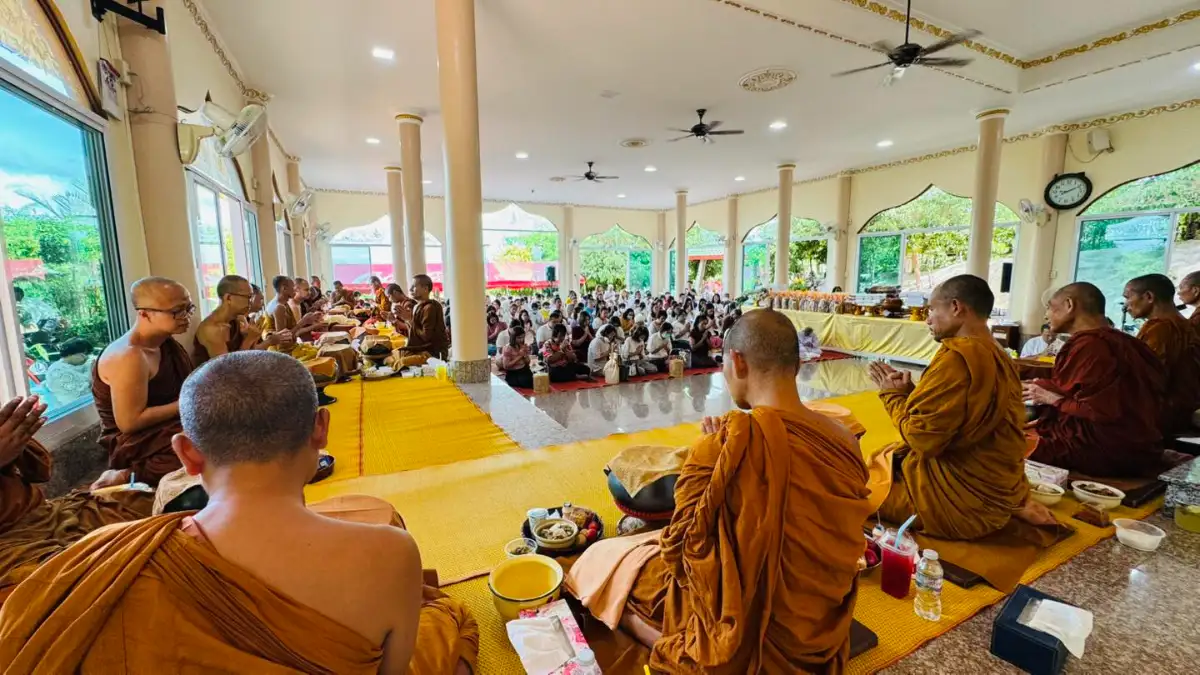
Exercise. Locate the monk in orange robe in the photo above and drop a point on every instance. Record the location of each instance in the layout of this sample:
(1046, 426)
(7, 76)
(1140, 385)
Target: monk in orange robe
(1174, 341)
(426, 321)
(758, 567)
(255, 581)
(32, 529)
(136, 382)
(1099, 412)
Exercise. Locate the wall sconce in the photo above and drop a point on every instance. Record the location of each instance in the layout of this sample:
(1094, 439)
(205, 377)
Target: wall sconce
(574, 243)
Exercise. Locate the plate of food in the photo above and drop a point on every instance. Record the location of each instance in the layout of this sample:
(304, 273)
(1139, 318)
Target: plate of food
(583, 526)
(1099, 494)
(379, 373)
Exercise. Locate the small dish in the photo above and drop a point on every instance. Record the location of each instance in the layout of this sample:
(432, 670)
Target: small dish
(1103, 496)
(1139, 535)
(872, 548)
(519, 547)
(1046, 493)
(568, 529)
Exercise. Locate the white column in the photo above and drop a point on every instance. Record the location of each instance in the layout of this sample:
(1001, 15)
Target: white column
(568, 276)
(783, 226)
(733, 249)
(839, 241)
(658, 255)
(681, 253)
(299, 223)
(1039, 255)
(987, 185)
(395, 197)
(414, 194)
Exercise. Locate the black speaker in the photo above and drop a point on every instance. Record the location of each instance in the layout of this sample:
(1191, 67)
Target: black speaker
(551, 273)
(1006, 277)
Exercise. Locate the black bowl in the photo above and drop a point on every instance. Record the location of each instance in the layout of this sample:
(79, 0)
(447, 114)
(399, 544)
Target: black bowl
(657, 497)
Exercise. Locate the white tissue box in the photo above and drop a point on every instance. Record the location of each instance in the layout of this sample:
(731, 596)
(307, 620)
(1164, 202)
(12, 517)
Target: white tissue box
(1037, 472)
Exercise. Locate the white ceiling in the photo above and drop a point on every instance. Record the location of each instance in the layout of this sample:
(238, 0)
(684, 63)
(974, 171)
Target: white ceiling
(543, 66)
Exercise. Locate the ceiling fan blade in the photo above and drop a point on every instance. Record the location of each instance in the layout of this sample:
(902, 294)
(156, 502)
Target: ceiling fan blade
(714, 125)
(682, 131)
(672, 140)
(957, 38)
(882, 46)
(578, 178)
(859, 70)
(944, 61)
(607, 177)
(727, 132)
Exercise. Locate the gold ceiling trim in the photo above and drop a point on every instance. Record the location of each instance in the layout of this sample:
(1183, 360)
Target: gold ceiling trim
(1115, 38)
(894, 14)
(1107, 69)
(736, 4)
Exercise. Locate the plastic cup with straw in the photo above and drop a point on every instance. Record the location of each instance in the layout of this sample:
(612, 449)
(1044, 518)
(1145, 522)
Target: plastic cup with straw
(898, 562)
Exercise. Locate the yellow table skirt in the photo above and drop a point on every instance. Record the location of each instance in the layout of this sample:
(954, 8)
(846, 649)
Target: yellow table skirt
(869, 335)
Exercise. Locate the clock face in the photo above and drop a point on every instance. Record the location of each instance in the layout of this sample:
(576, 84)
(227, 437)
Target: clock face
(1068, 191)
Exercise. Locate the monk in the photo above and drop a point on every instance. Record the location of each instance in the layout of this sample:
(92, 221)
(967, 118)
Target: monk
(283, 317)
(426, 321)
(1099, 411)
(227, 328)
(962, 460)
(380, 295)
(1174, 341)
(136, 385)
(252, 583)
(342, 295)
(1189, 292)
(400, 303)
(758, 567)
(32, 528)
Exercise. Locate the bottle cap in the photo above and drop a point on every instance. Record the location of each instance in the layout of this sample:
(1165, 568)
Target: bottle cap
(586, 657)
(931, 554)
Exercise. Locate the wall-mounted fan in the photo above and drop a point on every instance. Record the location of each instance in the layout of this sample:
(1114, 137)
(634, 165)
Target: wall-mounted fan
(591, 175)
(705, 132)
(1029, 212)
(234, 133)
(301, 203)
(911, 54)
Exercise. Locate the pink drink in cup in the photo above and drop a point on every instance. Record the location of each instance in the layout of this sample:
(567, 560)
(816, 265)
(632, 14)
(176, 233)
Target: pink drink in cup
(897, 566)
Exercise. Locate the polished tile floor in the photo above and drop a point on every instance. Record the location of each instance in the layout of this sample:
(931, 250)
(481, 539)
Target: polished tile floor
(1146, 605)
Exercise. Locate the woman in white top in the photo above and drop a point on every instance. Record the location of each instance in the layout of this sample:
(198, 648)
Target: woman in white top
(660, 346)
(634, 352)
(502, 338)
(601, 349)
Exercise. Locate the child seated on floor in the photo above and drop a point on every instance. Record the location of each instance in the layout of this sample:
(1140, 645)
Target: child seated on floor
(809, 347)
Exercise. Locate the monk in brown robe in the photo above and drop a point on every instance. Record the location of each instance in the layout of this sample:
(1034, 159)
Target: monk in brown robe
(284, 317)
(962, 466)
(1189, 292)
(227, 328)
(1099, 412)
(342, 295)
(252, 583)
(1174, 341)
(136, 385)
(426, 321)
(758, 567)
(32, 528)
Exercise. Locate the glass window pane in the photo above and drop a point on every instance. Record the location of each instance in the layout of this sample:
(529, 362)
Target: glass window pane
(1185, 254)
(51, 226)
(352, 266)
(878, 262)
(1114, 250)
(932, 257)
(1004, 250)
(381, 264)
(209, 247)
(756, 268)
(639, 270)
(254, 248)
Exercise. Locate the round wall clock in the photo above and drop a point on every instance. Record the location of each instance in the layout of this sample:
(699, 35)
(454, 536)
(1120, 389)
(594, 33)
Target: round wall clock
(1068, 190)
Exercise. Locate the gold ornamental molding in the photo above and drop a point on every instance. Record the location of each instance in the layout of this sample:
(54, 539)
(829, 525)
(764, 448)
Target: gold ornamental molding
(934, 30)
(409, 118)
(1115, 38)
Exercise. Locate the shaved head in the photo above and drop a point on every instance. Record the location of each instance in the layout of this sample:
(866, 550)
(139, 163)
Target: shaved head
(767, 340)
(971, 291)
(230, 284)
(1087, 297)
(1189, 288)
(1192, 279)
(1157, 285)
(145, 292)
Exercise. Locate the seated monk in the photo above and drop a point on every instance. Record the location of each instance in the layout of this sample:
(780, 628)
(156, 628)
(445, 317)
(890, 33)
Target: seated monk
(342, 295)
(32, 528)
(1174, 341)
(758, 566)
(962, 461)
(1189, 292)
(400, 304)
(227, 328)
(136, 385)
(254, 582)
(284, 318)
(425, 320)
(1099, 412)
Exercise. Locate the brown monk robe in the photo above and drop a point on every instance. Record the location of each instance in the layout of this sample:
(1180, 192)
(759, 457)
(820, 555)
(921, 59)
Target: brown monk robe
(1189, 292)
(284, 318)
(1099, 412)
(136, 383)
(1174, 341)
(226, 329)
(254, 582)
(758, 567)
(426, 321)
(32, 528)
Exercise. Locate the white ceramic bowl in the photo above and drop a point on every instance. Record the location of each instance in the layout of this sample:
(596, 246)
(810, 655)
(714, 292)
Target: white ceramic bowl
(1139, 535)
(1047, 499)
(1079, 487)
(559, 544)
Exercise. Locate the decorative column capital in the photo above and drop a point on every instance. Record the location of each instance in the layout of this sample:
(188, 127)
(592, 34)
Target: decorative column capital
(992, 113)
(681, 193)
(409, 118)
(392, 169)
(785, 167)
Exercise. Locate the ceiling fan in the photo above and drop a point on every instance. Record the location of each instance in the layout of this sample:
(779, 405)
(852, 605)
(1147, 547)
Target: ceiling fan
(705, 132)
(911, 54)
(594, 177)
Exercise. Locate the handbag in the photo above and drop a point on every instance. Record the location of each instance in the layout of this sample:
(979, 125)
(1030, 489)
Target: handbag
(612, 370)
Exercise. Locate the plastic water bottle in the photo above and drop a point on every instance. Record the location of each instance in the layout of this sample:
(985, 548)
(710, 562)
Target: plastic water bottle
(586, 662)
(928, 603)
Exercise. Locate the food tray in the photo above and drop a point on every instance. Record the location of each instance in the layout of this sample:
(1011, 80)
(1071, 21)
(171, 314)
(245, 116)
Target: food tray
(558, 553)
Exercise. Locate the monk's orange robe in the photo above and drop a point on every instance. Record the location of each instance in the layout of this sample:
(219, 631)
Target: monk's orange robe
(964, 472)
(1177, 344)
(1107, 424)
(381, 299)
(33, 530)
(758, 569)
(148, 597)
(147, 452)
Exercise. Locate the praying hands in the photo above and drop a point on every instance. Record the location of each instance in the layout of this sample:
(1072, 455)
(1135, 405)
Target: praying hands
(890, 379)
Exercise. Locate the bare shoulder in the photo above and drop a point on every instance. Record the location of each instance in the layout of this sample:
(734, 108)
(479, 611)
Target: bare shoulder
(122, 357)
(395, 553)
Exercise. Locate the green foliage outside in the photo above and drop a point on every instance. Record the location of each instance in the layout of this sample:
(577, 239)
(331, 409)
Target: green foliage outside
(1179, 189)
(878, 261)
(933, 208)
(615, 258)
(530, 247)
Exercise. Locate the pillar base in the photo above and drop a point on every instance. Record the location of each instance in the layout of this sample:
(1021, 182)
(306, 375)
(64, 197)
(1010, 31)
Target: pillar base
(471, 372)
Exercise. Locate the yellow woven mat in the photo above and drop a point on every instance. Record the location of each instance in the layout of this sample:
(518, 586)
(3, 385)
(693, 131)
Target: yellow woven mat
(462, 515)
(401, 424)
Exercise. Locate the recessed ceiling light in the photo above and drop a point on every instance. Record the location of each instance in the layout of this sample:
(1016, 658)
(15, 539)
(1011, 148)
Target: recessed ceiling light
(373, 141)
(778, 125)
(427, 182)
(383, 53)
(522, 155)
(884, 144)
(1196, 66)
(740, 178)
(651, 169)
(621, 196)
